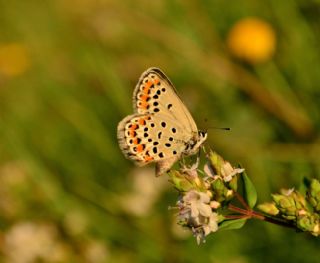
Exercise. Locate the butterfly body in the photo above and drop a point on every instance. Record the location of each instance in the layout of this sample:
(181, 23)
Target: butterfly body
(161, 130)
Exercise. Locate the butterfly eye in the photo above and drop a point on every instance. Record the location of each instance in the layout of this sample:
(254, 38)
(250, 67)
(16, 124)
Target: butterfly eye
(202, 134)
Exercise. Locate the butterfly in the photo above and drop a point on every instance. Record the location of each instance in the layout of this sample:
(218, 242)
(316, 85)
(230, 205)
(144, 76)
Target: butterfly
(161, 130)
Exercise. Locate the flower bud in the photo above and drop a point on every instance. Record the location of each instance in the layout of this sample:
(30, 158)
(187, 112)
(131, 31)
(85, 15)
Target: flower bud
(218, 185)
(316, 229)
(219, 167)
(313, 195)
(269, 208)
(215, 162)
(309, 222)
(215, 204)
(299, 200)
(219, 190)
(180, 182)
(286, 205)
(233, 184)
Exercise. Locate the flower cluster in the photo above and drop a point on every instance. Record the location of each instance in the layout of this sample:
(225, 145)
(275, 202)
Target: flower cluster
(201, 196)
(196, 213)
(301, 210)
(206, 200)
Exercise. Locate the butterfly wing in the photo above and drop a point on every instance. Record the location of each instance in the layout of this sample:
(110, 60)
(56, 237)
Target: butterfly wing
(156, 94)
(161, 127)
(147, 137)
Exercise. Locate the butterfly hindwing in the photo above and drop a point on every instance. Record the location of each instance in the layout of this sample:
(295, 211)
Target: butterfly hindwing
(146, 138)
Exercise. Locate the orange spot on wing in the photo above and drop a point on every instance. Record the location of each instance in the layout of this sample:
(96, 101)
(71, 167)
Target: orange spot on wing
(140, 148)
(144, 97)
(156, 81)
(132, 130)
(135, 141)
(133, 127)
(148, 84)
(142, 121)
(148, 158)
(132, 133)
(146, 90)
(143, 105)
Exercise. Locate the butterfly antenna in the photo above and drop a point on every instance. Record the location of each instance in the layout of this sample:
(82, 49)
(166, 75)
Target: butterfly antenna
(219, 128)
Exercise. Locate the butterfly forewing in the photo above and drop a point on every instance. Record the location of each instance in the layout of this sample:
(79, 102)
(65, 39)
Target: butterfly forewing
(155, 93)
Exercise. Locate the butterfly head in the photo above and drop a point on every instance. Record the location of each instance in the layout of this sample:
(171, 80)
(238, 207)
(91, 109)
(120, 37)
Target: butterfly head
(195, 143)
(202, 135)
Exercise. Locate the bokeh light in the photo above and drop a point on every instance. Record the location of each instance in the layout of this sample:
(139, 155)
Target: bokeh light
(252, 40)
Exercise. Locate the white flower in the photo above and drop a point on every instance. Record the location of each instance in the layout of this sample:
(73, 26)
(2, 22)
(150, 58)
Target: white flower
(227, 172)
(196, 213)
(209, 225)
(212, 224)
(199, 203)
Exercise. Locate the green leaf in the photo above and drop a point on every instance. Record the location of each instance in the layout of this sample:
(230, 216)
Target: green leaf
(250, 192)
(232, 224)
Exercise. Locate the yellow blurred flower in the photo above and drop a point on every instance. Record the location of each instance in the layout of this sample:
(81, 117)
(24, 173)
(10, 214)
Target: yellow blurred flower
(252, 40)
(14, 59)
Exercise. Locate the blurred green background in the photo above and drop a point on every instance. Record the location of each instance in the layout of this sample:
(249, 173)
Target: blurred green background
(67, 72)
